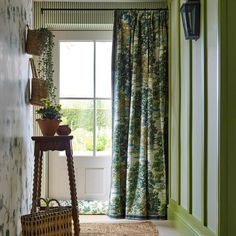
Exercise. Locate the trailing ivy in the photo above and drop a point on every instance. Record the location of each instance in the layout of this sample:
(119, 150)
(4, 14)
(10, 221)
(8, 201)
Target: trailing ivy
(45, 63)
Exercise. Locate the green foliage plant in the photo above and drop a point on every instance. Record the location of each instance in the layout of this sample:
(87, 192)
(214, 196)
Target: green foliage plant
(45, 62)
(50, 110)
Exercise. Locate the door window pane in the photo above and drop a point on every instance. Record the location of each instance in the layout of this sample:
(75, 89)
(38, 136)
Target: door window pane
(103, 69)
(103, 128)
(78, 114)
(92, 135)
(76, 69)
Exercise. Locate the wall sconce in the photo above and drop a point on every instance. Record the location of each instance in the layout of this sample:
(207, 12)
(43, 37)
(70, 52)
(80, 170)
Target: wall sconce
(190, 12)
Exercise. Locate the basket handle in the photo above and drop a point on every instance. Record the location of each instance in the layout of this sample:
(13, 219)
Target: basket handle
(47, 201)
(34, 72)
(54, 200)
(27, 29)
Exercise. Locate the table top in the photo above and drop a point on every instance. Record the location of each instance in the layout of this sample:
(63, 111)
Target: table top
(52, 138)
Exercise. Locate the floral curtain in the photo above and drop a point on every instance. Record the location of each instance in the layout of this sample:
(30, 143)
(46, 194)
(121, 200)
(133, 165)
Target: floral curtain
(140, 105)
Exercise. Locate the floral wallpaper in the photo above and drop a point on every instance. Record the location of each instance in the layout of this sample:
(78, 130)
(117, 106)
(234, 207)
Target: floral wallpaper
(16, 154)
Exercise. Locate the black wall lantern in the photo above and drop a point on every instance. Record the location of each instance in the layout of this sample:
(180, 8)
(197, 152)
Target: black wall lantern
(190, 12)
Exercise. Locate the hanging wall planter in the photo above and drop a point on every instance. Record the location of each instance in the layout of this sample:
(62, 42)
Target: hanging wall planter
(41, 43)
(36, 40)
(39, 88)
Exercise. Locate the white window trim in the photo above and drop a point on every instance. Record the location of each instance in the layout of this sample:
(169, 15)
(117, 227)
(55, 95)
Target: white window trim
(83, 36)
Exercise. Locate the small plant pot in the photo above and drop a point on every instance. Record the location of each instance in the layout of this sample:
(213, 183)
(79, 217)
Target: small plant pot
(63, 130)
(48, 127)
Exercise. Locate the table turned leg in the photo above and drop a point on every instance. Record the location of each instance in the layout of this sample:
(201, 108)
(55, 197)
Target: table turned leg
(40, 178)
(74, 203)
(36, 177)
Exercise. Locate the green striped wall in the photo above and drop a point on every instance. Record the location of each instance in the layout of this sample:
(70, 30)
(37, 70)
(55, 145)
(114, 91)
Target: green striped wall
(83, 19)
(194, 121)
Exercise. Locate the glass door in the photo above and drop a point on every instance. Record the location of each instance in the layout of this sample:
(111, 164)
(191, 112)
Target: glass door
(83, 81)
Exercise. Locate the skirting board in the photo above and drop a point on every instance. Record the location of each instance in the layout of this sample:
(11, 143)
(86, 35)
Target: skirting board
(185, 223)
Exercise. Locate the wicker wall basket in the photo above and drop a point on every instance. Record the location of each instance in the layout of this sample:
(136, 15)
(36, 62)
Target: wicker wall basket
(35, 41)
(38, 87)
(38, 91)
(52, 221)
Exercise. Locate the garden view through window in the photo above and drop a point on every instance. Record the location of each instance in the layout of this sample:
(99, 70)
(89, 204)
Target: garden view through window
(85, 95)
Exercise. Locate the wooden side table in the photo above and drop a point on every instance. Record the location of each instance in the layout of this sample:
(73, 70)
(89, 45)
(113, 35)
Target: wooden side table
(52, 143)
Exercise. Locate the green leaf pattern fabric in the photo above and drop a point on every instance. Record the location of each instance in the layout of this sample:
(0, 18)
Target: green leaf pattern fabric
(140, 109)
(87, 207)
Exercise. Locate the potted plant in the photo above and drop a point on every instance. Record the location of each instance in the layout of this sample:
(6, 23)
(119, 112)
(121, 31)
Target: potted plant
(50, 116)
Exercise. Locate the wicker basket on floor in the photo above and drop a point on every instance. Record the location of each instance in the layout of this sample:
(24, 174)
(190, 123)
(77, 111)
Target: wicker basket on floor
(53, 221)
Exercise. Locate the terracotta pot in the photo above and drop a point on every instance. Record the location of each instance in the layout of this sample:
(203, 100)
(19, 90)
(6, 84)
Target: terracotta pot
(48, 127)
(63, 130)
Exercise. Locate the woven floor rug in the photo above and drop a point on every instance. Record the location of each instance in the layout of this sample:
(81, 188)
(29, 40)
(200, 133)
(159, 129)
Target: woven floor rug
(145, 228)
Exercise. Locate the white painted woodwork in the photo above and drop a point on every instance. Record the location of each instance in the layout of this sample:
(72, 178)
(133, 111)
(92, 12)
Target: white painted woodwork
(213, 114)
(174, 106)
(198, 127)
(184, 122)
(92, 177)
(96, 177)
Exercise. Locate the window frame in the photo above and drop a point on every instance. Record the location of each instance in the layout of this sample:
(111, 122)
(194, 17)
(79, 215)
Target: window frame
(82, 36)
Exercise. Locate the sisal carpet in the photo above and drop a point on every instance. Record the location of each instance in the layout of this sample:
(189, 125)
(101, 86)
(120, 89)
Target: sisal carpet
(145, 228)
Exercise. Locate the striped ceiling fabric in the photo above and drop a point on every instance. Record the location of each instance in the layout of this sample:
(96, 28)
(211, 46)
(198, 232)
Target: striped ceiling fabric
(76, 20)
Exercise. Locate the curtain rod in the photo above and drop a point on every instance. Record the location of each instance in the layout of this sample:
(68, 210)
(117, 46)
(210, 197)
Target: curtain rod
(97, 9)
